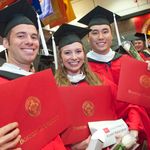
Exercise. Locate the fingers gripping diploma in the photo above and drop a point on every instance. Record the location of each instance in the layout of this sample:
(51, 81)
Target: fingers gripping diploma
(9, 136)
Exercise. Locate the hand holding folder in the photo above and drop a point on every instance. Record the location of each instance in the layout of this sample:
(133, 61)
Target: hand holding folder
(33, 101)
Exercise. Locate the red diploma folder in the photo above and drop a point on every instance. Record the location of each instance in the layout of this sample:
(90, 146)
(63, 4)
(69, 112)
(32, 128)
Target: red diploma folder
(134, 83)
(33, 102)
(84, 104)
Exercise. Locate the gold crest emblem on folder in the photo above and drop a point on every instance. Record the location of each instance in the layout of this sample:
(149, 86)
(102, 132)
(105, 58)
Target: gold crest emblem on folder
(145, 81)
(88, 108)
(33, 106)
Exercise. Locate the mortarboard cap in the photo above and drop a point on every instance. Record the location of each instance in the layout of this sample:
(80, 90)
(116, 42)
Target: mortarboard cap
(141, 36)
(43, 62)
(20, 12)
(67, 34)
(98, 16)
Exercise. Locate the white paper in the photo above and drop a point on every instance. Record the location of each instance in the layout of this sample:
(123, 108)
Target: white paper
(107, 131)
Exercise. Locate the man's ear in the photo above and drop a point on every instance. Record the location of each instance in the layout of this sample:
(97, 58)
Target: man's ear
(5, 43)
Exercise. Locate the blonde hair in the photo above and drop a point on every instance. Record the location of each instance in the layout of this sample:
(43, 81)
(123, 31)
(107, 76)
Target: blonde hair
(61, 74)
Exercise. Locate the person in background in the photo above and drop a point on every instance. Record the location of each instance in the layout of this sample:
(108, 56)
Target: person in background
(19, 29)
(140, 45)
(104, 61)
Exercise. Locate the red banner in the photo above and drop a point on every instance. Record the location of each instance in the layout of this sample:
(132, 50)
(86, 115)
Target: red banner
(142, 23)
(62, 11)
(4, 3)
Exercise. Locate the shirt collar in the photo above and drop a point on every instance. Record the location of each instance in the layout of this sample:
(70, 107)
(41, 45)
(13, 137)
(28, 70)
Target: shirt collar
(76, 78)
(99, 57)
(14, 69)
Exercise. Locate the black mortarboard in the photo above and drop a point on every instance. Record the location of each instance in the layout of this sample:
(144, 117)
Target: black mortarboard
(67, 34)
(20, 12)
(141, 36)
(43, 62)
(98, 16)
